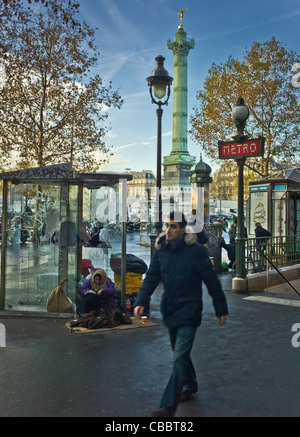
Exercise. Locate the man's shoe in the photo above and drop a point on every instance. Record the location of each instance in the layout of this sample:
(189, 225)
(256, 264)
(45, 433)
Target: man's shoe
(162, 412)
(186, 394)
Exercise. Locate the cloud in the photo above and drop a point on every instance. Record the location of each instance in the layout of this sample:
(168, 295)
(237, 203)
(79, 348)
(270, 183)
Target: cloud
(120, 37)
(123, 24)
(166, 134)
(125, 146)
(125, 30)
(116, 163)
(112, 61)
(251, 26)
(110, 134)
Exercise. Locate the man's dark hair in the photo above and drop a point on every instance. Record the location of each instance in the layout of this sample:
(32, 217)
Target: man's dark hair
(178, 217)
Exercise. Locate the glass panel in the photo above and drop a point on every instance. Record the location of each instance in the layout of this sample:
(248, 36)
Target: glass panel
(297, 215)
(31, 258)
(104, 248)
(279, 217)
(258, 210)
(145, 225)
(72, 250)
(104, 229)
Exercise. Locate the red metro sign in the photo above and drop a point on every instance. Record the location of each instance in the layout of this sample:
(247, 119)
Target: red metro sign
(243, 149)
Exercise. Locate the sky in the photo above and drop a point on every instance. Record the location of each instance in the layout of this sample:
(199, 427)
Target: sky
(133, 32)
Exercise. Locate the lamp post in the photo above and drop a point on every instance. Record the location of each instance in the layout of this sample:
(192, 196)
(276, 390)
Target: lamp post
(240, 114)
(160, 85)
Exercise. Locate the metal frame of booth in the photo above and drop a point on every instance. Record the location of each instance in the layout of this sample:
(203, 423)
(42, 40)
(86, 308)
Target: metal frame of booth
(275, 202)
(63, 176)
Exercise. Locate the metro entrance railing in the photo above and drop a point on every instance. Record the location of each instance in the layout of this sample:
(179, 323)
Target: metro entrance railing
(272, 252)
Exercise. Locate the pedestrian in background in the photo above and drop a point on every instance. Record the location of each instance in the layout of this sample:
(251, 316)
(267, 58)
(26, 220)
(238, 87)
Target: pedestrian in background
(262, 236)
(232, 231)
(181, 264)
(261, 232)
(195, 225)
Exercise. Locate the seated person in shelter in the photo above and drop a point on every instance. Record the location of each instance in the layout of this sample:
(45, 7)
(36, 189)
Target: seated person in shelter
(96, 290)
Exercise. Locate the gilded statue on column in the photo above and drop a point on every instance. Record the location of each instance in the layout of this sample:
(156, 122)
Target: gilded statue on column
(181, 13)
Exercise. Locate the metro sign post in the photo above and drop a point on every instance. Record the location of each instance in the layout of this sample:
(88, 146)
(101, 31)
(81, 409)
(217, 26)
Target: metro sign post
(241, 148)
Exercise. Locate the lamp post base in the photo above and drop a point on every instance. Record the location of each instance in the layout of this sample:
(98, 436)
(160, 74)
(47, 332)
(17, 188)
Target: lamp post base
(239, 285)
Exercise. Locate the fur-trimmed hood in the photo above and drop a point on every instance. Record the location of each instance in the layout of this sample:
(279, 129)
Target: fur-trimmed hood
(189, 238)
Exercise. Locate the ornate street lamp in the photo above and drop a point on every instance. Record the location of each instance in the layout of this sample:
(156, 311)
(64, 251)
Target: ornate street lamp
(160, 85)
(240, 114)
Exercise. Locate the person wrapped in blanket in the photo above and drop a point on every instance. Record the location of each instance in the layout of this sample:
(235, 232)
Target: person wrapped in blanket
(96, 290)
(98, 307)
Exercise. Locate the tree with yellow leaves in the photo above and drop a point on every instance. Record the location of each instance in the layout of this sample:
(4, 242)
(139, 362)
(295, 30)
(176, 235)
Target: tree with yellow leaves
(263, 77)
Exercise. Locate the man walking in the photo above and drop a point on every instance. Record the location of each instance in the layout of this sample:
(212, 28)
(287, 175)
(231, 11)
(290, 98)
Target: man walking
(181, 264)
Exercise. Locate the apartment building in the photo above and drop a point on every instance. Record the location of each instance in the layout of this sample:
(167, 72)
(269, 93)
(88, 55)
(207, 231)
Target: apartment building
(142, 183)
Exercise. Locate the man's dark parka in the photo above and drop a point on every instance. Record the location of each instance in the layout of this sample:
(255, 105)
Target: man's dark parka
(182, 269)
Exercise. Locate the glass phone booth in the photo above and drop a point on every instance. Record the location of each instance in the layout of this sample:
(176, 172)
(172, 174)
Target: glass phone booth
(47, 214)
(274, 201)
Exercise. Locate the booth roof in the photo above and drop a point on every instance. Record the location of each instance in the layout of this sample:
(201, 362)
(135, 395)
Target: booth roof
(291, 174)
(61, 173)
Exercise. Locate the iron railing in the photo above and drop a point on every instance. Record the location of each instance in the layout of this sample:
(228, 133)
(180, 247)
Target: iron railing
(280, 251)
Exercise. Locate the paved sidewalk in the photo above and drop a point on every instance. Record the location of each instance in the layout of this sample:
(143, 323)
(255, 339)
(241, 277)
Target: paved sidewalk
(247, 368)
(286, 289)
